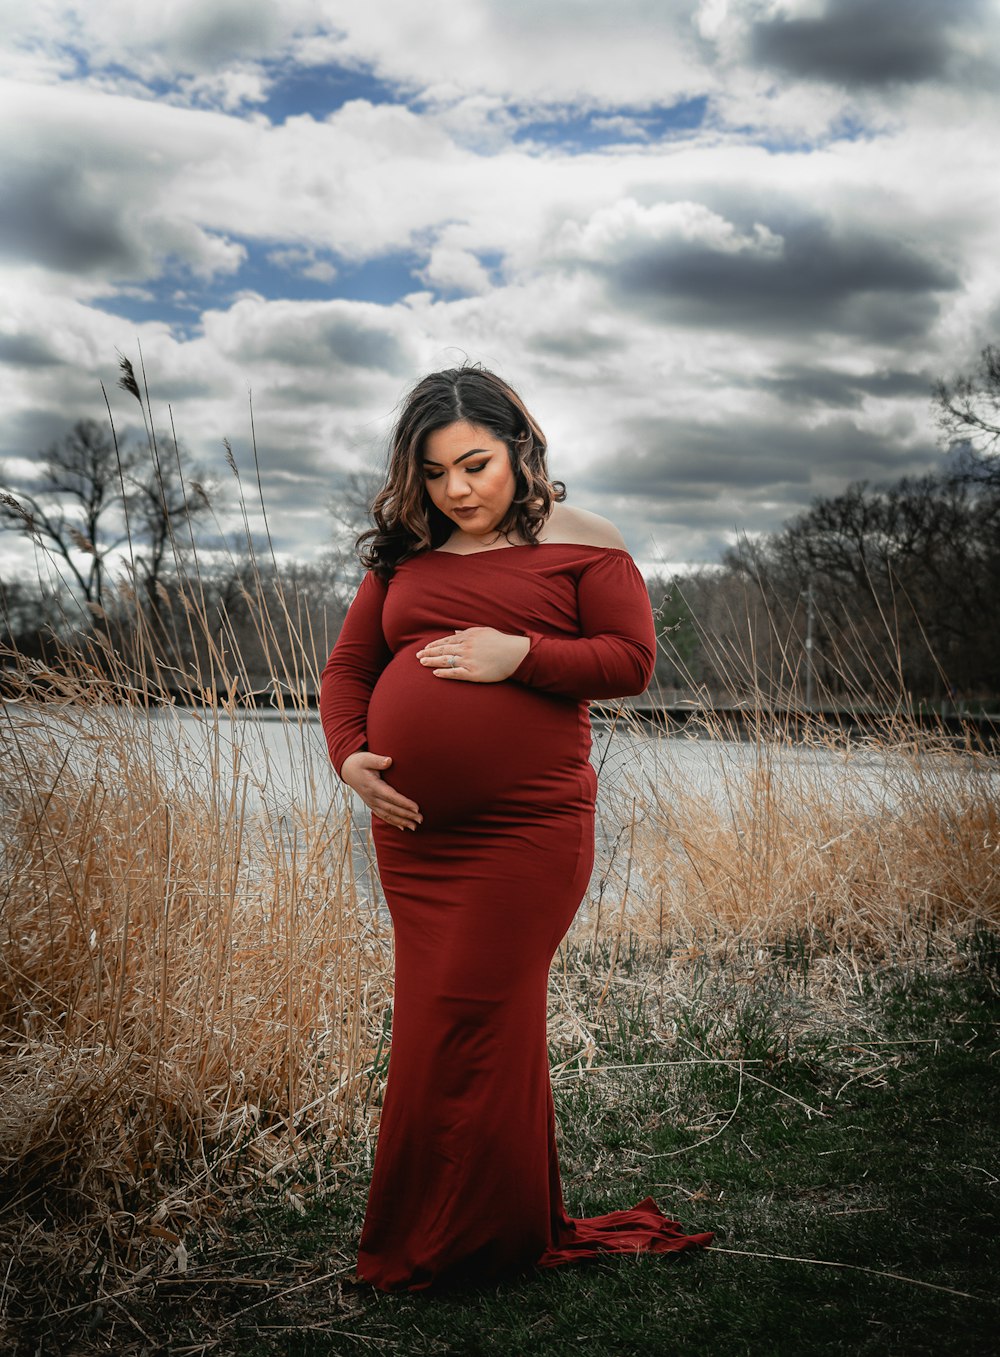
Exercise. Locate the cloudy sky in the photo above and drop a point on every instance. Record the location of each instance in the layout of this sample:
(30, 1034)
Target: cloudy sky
(723, 247)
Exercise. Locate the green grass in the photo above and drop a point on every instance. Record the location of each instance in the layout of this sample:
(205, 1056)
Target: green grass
(871, 1143)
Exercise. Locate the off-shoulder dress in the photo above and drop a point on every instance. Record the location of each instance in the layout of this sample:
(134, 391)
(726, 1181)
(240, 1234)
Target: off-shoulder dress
(466, 1176)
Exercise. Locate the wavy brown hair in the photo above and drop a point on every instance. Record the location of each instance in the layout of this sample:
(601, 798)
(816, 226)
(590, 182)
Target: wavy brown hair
(406, 522)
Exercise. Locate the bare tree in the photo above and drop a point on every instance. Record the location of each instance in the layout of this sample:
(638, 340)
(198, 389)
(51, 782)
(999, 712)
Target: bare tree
(349, 510)
(968, 408)
(350, 506)
(165, 504)
(31, 618)
(91, 497)
(905, 580)
(75, 509)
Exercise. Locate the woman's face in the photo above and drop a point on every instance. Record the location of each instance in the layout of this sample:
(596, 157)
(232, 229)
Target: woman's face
(468, 476)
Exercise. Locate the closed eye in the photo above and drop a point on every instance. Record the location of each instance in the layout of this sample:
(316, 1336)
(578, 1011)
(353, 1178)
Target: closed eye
(471, 468)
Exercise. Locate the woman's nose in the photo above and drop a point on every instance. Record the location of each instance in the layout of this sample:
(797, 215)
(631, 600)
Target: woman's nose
(458, 487)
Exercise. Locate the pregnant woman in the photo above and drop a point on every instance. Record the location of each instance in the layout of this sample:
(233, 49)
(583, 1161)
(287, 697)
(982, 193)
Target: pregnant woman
(455, 704)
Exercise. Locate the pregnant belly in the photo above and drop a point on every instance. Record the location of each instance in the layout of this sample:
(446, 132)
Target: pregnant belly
(458, 748)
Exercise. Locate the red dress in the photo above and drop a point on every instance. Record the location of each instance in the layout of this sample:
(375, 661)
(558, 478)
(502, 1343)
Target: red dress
(466, 1177)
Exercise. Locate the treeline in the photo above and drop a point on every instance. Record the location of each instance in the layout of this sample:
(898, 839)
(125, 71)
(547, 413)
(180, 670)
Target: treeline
(868, 594)
(882, 594)
(138, 570)
(872, 594)
(876, 595)
(240, 624)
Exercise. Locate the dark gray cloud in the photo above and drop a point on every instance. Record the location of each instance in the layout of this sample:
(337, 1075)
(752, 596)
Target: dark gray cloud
(294, 487)
(49, 215)
(338, 388)
(30, 433)
(866, 42)
(573, 344)
(181, 388)
(665, 459)
(808, 387)
(98, 211)
(213, 35)
(295, 395)
(317, 337)
(710, 519)
(852, 282)
(688, 487)
(28, 351)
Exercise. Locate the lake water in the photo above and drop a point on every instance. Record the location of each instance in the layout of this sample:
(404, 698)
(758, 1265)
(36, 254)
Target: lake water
(284, 762)
(282, 767)
(280, 771)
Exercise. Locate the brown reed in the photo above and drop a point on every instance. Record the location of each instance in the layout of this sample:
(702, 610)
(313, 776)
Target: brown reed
(192, 978)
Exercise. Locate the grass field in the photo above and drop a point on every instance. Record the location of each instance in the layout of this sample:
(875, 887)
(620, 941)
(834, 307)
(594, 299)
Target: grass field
(836, 1131)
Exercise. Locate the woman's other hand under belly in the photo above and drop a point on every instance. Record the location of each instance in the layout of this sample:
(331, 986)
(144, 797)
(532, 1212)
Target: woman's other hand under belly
(362, 772)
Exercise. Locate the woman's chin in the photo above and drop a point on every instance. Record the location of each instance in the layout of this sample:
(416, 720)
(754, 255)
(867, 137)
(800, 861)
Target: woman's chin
(477, 525)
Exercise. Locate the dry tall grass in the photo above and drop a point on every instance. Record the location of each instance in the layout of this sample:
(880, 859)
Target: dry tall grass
(870, 850)
(186, 976)
(192, 979)
(865, 840)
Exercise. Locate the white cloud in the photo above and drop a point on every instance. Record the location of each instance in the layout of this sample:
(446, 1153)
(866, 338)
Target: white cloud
(452, 269)
(303, 261)
(230, 89)
(637, 51)
(616, 231)
(627, 129)
(533, 53)
(634, 51)
(166, 40)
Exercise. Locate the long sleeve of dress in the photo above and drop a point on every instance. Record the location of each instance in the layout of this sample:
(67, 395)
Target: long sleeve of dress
(351, 672)
(616, 653)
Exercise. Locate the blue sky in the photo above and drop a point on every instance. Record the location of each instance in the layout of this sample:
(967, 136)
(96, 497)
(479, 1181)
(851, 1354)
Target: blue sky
(724, 247)
(320, 90)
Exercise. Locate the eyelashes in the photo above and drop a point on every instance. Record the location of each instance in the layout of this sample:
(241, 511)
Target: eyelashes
(436, 475)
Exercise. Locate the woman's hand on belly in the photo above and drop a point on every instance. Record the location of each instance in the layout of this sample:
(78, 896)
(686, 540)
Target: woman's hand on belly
(363, 773)
(475, 655)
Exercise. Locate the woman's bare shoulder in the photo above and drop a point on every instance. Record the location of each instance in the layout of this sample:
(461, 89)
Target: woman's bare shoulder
(567, 523)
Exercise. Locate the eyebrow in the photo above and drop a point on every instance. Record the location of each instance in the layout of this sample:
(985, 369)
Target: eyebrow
(473, 452)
